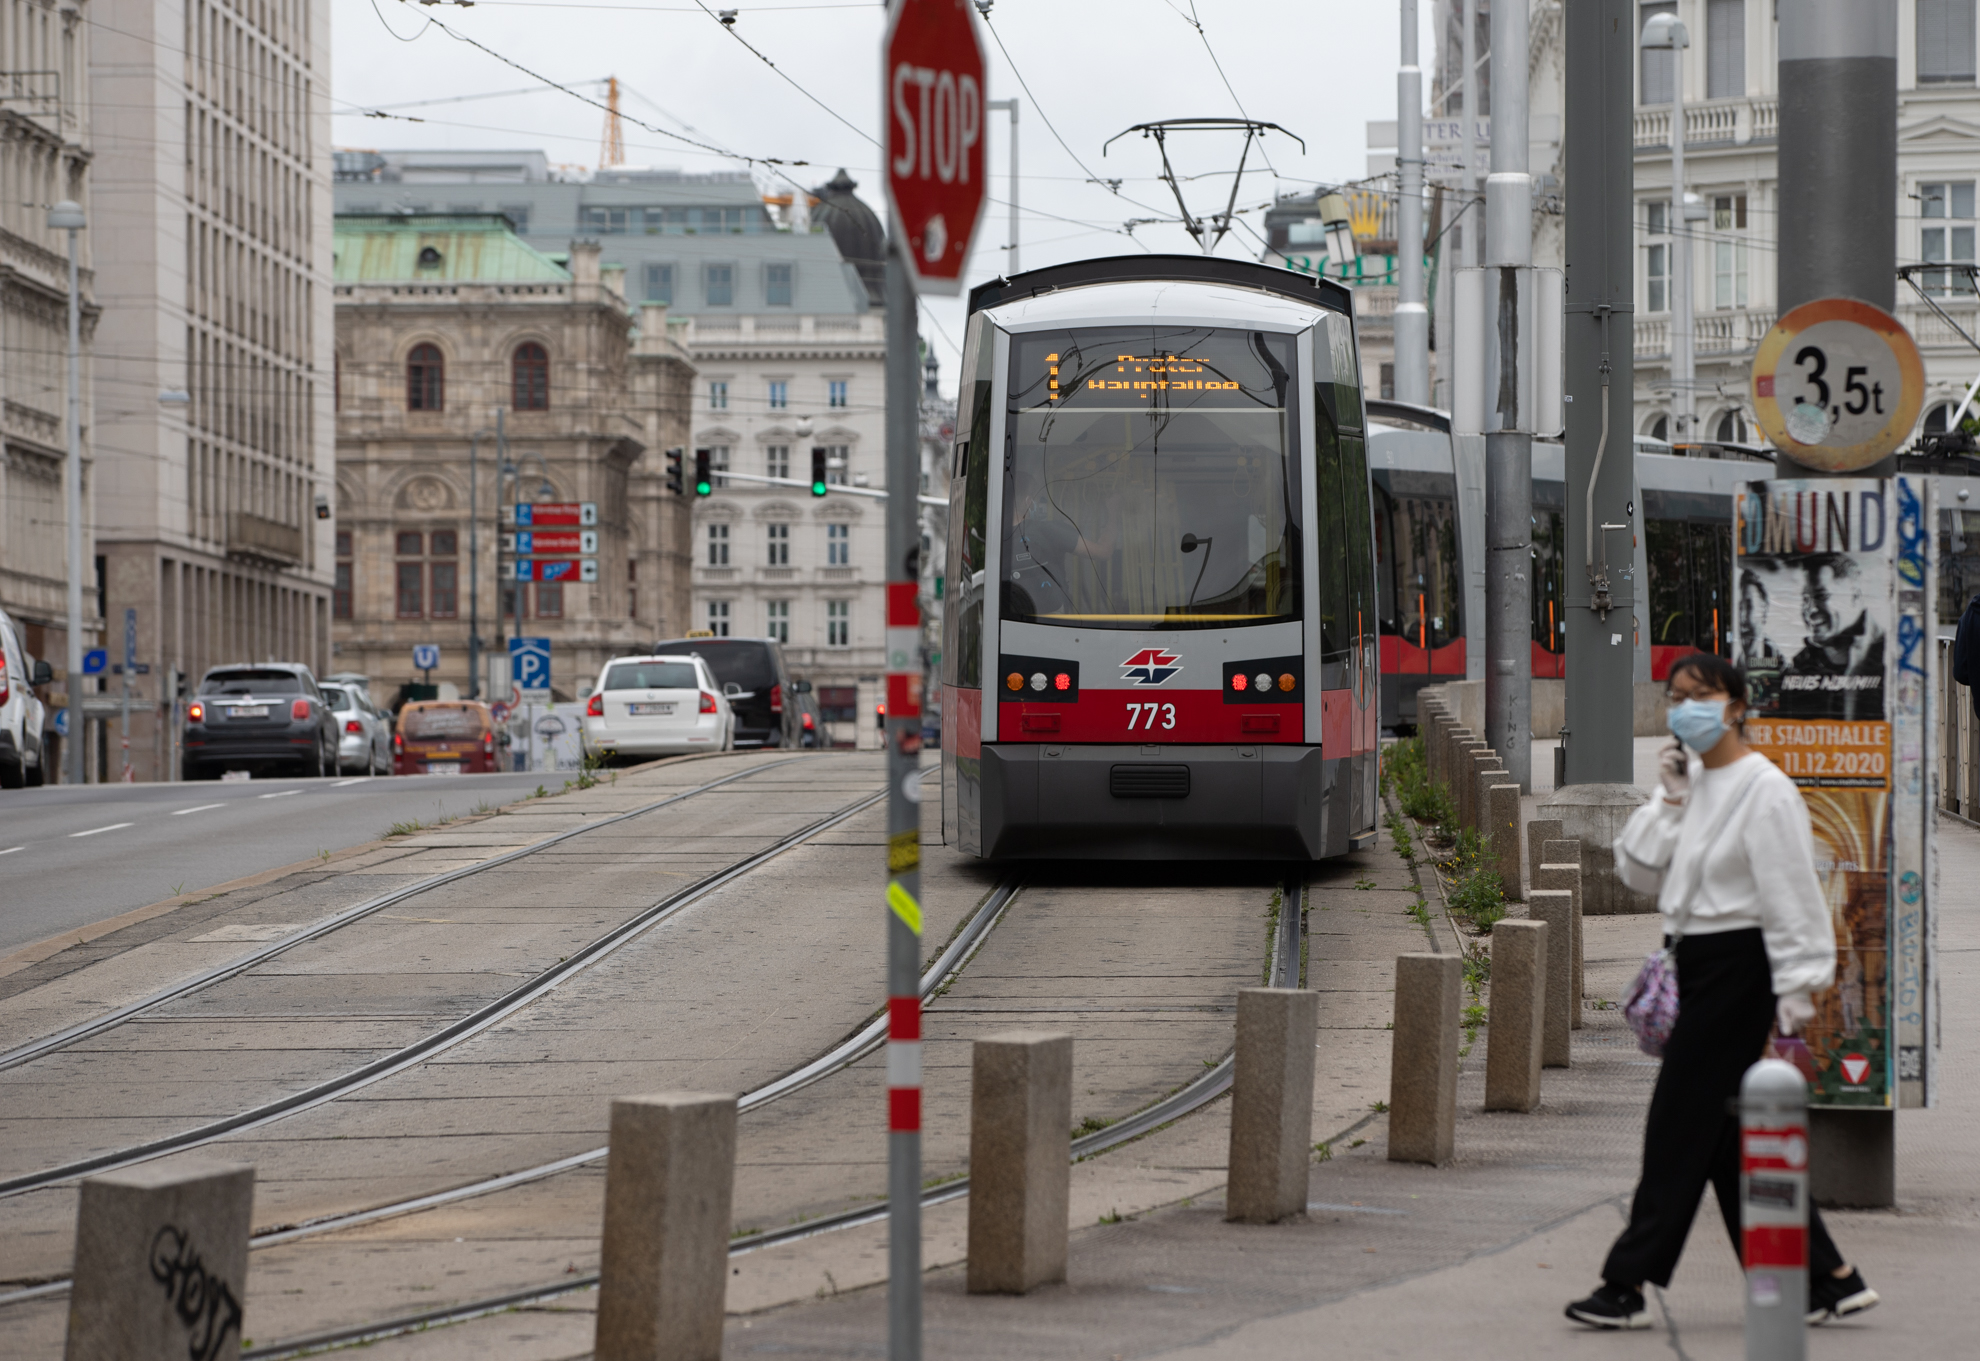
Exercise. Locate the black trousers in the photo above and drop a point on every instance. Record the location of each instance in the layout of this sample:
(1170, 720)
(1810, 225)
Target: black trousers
(1725, 1013)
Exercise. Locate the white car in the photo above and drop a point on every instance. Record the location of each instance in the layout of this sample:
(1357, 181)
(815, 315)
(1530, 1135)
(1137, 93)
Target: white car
(364, 735)
(657, 706)
(23, 759)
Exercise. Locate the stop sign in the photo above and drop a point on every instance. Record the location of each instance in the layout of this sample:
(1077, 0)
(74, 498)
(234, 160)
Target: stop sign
(932, 68)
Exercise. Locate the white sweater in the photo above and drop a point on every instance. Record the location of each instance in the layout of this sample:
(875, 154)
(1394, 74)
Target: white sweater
(1759, 867)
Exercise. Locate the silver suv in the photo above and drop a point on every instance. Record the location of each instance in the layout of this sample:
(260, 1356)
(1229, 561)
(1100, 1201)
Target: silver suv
(23, 717)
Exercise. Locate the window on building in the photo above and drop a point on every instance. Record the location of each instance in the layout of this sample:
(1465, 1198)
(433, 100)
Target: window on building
(1946, 236)
(514, 597)
(1945, 42)
(668, 221)
(411, 544)
(1657, 218)
(1661, 428)
(1728, 256)
(1725, 49)
(777, 285)
(607, 221)
(340, 600)
(838, 457)
(426, 388)
(530, 377)
(446, 590)
(777, 460)
(549, 600)
(660, 284)
(1731, 429)
(719, 285)
(1658, 76)
(518, 215)
(835, 392)
(780, 395)
(777, 620)
(718, 545)
(718, 618)
(412, 600)
(780, 545)
(838, 623)
(838, 545)
(718, 396)
(1388, 382)
(718, 463)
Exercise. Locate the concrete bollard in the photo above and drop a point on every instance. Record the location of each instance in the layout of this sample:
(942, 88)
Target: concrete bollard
(1484, 761)
(1556, 908)
(1560, 867)
(1513, 1039)
(669, 1188)
(1423, 1059)
(1020, 1160)
(1538, 833)
(1272, 1104)
(1430, 727)
(1502, 820)
(161, 1263)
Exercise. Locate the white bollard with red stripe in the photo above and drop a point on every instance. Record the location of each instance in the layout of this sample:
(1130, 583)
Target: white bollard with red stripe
(1773, 1199)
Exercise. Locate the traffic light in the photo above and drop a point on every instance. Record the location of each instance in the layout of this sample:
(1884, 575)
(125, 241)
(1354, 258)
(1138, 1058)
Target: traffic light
(817, 471)
(703, 483)
(674, 483)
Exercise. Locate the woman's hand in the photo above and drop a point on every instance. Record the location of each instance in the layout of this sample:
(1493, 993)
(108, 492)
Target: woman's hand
(1793, 1012)
(1674, 771)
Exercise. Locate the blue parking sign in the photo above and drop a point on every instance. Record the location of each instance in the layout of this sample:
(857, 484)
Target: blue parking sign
(96, 661)
(529, 663)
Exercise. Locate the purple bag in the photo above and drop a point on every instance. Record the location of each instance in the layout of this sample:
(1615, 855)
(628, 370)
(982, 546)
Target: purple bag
(1651, 1004)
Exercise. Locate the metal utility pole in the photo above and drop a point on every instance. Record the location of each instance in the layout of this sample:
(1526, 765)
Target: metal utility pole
(1412, 321)
(1509, 448)
(1838, 161)
(68, 216)
(1473, 221)
(1011, 265)
(1600, 335)
(903, 736)
(1663, 33)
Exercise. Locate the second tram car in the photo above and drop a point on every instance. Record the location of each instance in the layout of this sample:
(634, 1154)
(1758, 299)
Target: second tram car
(1161, 635)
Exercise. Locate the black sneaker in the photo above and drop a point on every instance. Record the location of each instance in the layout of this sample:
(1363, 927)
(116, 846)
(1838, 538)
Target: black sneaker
(1834, 1297)
(1612, 1306)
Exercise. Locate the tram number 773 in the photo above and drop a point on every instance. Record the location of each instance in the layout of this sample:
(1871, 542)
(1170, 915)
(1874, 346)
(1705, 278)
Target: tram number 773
(1147, 714)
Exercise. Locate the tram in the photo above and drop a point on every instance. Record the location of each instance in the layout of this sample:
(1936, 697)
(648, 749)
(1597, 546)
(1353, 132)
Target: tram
(1161, 637)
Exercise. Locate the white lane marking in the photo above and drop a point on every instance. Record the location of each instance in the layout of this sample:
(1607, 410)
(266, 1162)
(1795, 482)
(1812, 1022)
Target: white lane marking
(11, 849)
(283, 795)
(94, 830)
(357, 780)
(181, 812)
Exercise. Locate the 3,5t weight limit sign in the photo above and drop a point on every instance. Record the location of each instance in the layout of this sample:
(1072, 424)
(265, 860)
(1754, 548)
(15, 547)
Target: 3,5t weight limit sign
(1837, 384)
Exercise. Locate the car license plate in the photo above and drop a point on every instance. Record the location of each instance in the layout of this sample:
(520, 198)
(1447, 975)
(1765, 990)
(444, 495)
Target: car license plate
(443, 767)
(649, 709)
(248, 711)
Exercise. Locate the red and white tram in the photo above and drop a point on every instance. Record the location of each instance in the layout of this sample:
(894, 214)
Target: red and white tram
(1160, 639)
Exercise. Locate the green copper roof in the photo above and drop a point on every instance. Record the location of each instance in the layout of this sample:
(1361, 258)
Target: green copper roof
(437, 248)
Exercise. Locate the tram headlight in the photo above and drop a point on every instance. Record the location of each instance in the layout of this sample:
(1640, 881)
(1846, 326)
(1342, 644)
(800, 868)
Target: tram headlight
(1038, 680)
(1263, 681)
(1014, 681)
(1286, 682)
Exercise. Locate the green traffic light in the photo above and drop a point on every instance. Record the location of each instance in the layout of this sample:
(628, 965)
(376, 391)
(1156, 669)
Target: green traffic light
(818, 489)
(703, 488)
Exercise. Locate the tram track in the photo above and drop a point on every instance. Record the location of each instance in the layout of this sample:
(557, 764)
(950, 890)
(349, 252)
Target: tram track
(1284, 970)
(461, 1029)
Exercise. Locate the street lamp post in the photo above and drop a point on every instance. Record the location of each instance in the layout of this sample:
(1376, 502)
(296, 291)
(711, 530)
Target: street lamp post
(1664, 33)
(474, 560)
(68, 216)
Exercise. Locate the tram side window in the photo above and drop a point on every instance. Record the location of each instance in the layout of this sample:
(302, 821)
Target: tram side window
(1711, 607)
(1417, 570)
(1689, 607)
(1549, 619)
(969, 497)
(1332, 529)
(1361, 565)
(1668, 554)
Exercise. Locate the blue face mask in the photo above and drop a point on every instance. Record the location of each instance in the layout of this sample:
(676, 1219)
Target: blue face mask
(1698, 723)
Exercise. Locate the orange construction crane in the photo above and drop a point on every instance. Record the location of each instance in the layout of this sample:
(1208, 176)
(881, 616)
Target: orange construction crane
(612, 147)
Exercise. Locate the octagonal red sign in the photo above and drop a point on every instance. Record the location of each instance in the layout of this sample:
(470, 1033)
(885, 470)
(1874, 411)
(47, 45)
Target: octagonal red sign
(932, 100)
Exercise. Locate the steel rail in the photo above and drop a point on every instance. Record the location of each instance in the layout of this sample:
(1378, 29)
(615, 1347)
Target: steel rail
(82, 1030)
(1284, 972)
(445, 1038)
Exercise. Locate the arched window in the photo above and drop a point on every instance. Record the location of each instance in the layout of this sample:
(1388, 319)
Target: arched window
(1660, 428)
(531, 377)
(426, 384)
(1732, 429)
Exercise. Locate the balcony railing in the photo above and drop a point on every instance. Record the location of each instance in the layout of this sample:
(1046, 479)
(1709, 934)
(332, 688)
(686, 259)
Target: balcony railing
(1712, 333)
(1714, 122)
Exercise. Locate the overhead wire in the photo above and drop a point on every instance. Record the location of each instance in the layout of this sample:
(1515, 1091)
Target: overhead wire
(785, 75)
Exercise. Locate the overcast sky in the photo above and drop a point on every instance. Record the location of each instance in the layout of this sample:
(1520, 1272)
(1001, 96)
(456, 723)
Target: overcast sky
(1318, 68)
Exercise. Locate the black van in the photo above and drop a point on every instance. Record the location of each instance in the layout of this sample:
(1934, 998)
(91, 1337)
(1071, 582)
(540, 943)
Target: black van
(751, 671)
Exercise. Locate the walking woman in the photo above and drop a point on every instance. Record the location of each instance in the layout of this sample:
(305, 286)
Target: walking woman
(1726, 847)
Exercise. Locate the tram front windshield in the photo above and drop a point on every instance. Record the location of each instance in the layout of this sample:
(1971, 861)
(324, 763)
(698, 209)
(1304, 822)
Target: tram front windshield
(1149, 481)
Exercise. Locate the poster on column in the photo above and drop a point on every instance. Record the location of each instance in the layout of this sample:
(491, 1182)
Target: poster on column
(1825, 633)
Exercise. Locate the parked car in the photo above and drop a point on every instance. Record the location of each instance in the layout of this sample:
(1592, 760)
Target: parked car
(657, 706)
(811, 726)
(259, 717)
(23, 717)
(446, 737)
(364, 733)
(755, 681)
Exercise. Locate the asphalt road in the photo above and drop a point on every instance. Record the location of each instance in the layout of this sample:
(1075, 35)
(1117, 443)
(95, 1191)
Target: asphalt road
(71, 855)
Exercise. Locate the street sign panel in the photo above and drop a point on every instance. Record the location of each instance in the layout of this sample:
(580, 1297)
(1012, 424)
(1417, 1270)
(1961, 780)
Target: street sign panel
(95, 660)
(932, 105)
(558, 542)
(556, 569)
(529, 664)
(426, 656)
(537, 514)
(1837, 384)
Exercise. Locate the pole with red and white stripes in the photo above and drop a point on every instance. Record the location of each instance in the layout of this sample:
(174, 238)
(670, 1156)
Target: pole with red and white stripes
(903, 736)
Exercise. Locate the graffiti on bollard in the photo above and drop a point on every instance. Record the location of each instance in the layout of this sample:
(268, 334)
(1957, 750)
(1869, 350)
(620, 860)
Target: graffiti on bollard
(1773, 1199)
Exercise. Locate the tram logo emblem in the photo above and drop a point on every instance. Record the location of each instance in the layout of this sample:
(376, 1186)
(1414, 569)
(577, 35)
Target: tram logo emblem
(1150, 666)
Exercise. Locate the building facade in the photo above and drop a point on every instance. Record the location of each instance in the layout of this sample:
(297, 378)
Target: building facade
(474, 374)
(210, 227)
(45, 152)
(775, 298)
